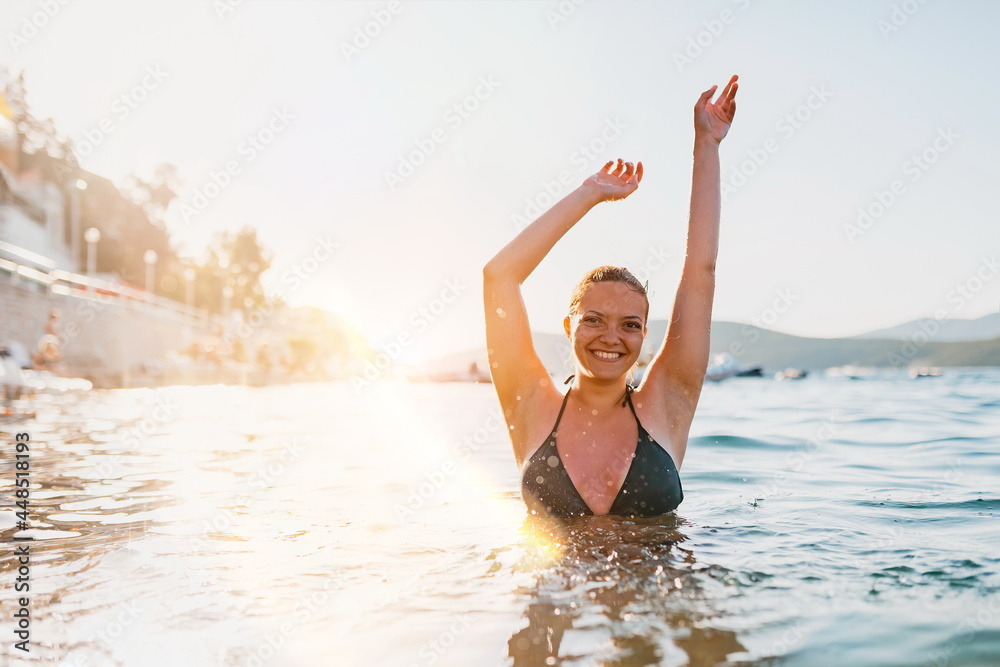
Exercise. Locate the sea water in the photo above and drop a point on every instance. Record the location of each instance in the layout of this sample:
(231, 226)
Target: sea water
(826, 521)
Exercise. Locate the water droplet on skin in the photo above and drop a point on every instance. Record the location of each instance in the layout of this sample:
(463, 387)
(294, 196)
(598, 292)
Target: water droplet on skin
(501, 313)
(594, 412)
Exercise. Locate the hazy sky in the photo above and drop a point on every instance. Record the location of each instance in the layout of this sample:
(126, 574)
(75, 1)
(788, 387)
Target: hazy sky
(880, 105)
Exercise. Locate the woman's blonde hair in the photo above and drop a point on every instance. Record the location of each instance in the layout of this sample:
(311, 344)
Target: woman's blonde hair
(607, 274)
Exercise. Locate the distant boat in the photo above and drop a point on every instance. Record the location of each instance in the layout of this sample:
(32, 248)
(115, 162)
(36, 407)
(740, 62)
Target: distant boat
(852, 372)
(925, 372)
(755, 372)
(791, 374)
(721, 367)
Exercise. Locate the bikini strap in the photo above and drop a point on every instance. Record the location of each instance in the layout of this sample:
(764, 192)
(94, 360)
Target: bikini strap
(628, 399)
(565, 398)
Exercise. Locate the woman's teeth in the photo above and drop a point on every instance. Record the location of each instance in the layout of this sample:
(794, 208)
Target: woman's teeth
(608, 355)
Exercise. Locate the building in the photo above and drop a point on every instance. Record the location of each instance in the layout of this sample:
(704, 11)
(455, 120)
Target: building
(32, 209)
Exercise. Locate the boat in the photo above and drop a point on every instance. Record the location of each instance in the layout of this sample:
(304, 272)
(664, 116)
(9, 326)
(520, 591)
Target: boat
(755, 372)
(791, 374)
(925, 372)
(722, 366)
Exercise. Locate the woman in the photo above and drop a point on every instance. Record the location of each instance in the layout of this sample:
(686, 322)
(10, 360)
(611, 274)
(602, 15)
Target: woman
(609, 459)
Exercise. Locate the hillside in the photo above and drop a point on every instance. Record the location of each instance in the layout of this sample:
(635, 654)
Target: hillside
(948, 330)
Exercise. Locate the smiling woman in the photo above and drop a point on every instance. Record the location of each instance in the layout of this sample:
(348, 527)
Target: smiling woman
(608, 460)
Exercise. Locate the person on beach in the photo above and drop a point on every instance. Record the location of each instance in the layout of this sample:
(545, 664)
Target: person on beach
(608, 460)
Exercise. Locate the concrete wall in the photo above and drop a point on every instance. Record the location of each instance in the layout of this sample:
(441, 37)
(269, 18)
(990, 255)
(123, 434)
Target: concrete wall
(111, 341)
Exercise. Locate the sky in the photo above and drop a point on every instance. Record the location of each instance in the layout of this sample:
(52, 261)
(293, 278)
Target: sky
(386, 151)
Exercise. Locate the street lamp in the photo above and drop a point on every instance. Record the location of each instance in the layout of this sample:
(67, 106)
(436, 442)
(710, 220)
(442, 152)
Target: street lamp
(189, 276)
(92, 236)
(149, 257)
(74, 231)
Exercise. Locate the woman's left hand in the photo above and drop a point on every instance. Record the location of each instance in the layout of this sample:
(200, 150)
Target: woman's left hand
(712, 119)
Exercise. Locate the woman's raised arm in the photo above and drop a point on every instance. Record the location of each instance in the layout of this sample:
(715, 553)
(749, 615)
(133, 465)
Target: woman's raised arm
(514, 365)
(678, 369)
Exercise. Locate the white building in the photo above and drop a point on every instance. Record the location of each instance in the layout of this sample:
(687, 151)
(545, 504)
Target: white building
(32, 210)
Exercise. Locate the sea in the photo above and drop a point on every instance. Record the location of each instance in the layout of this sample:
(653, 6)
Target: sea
(826, 521)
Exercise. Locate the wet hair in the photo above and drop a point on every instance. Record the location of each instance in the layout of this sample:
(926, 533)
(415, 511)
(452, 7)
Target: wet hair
(607, 274)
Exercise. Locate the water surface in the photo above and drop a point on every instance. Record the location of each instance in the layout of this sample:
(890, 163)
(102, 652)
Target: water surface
(825, 522)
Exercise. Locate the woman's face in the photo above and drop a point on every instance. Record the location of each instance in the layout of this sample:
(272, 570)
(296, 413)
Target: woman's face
(608, 329)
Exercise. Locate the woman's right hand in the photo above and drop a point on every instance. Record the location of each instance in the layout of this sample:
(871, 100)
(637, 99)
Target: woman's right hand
(616, 180)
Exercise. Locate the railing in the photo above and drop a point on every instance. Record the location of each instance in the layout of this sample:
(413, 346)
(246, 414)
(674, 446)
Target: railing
(23, 265)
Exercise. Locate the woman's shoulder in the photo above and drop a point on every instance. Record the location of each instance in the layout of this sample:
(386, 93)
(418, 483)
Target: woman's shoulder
(531, 418)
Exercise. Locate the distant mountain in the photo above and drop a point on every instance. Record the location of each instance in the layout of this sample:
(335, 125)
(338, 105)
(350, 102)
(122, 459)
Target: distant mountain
(754, 346)
(948, 331)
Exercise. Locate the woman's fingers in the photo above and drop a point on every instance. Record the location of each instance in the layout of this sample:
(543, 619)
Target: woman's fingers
(627, 173)
(729, 90)
(629, 170)
(705, 97)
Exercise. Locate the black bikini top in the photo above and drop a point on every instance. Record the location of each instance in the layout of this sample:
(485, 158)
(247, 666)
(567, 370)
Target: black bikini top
(652, 485)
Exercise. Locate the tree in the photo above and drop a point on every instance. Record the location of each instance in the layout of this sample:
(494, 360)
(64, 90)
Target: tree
(235, 260)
